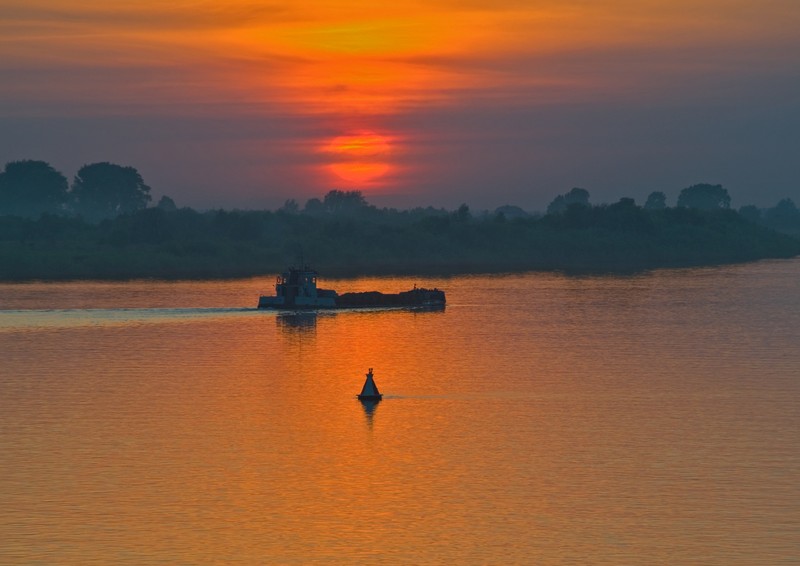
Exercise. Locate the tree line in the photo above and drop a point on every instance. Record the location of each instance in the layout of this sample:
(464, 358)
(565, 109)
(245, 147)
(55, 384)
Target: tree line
(83, 235)
(784, 216)
(31, 188)
(185, 244)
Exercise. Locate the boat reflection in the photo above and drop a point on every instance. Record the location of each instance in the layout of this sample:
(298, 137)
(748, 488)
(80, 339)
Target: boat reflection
(303, 321)
(297, 321)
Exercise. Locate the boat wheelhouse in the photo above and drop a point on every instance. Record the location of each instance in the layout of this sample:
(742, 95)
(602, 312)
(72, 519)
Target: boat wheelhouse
(297, 288)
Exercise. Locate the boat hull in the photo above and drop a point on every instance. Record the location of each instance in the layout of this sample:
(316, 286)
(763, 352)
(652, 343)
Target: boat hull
(428, 298)
(266, 302)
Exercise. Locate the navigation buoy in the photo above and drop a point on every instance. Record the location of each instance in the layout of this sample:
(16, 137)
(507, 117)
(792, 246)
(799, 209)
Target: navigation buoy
(370, 391)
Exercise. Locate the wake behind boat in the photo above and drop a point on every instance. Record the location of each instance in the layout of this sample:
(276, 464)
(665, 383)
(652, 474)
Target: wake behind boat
(297, 289)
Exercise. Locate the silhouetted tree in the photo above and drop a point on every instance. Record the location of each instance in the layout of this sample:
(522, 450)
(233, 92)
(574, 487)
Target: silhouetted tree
(290, 206)
(705, 197)
(166, 204)
(462, 214)
(344, 201)
(625, 215)
(656, 201)
(106, 190)
(783, 215)
(31, 188)
(751, 213)
(511, 211)
(313, 206)
(576, 196)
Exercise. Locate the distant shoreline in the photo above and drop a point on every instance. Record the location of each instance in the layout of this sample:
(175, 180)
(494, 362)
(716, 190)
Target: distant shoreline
(428, 272)
(187, 245)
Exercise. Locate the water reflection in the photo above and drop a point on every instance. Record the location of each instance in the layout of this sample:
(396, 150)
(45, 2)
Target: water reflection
(430, 308)
(650, 420)
(303, 321)
(297, 321)
(369, 407)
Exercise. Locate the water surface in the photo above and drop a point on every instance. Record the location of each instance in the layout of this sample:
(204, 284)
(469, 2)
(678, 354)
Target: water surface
(537, 419)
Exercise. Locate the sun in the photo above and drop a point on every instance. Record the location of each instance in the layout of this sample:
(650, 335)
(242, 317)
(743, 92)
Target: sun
(359, 173)
(360, 158)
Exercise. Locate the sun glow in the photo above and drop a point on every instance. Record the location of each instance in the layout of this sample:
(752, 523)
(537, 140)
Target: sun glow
(361, 158)
(269, 85)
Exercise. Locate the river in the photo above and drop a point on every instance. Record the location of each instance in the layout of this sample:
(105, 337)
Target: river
(538, 419)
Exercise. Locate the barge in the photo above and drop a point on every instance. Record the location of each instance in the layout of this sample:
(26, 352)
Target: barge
(297, 289)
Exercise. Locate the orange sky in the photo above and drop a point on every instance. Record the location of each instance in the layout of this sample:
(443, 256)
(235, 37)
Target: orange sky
(449, 94)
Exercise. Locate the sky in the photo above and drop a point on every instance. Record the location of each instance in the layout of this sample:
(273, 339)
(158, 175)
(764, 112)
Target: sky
(245, 104)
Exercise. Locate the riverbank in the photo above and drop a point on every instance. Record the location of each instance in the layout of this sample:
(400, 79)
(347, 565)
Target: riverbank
(185, 244)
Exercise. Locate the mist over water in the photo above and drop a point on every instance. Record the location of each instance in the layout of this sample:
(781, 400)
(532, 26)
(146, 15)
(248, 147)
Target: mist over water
(539, 418)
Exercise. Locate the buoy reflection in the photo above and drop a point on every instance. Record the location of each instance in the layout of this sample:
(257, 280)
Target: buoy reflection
(369, 407)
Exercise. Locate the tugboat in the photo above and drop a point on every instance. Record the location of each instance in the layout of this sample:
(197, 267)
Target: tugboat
(370, 391)
(296, 288)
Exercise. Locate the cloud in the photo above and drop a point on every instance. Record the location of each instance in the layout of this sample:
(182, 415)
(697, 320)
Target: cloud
(148, 16)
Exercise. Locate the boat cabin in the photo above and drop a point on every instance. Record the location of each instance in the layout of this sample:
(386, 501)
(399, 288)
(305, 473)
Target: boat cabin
(297, 288)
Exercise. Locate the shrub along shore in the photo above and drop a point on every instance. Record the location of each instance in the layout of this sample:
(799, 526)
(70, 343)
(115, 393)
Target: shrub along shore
(186, 244)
